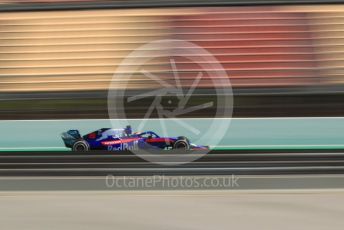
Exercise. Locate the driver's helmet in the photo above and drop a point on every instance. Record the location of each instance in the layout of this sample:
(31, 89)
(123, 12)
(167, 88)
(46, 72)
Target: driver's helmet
(128, 130)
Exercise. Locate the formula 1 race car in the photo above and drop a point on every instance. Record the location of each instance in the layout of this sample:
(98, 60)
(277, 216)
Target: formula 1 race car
(123, 140)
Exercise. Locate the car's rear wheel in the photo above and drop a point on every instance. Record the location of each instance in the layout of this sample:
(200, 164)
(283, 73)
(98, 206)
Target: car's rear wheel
(81, 146)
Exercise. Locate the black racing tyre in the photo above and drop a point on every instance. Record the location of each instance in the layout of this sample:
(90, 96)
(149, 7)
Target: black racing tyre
(183, 138)
(81, 146)
(182, 143)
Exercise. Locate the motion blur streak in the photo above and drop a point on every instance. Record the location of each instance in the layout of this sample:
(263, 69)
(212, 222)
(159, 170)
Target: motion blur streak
(258, 46)
(59, 64)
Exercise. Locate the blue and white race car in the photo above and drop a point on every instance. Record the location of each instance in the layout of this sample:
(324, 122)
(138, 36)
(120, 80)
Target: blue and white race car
(123, 139)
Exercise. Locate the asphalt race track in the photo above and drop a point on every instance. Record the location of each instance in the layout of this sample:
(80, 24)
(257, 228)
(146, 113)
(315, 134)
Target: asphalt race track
(316, 210)
(95, 163)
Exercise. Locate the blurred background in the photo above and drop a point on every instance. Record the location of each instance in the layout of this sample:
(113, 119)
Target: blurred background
(57, 58)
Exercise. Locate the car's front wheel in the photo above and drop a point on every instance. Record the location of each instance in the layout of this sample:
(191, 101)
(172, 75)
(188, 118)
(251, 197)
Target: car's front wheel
(81, 146)
(182, 144)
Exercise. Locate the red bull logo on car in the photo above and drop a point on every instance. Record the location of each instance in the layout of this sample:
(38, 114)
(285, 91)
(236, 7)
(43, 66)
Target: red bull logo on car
(133, 145)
